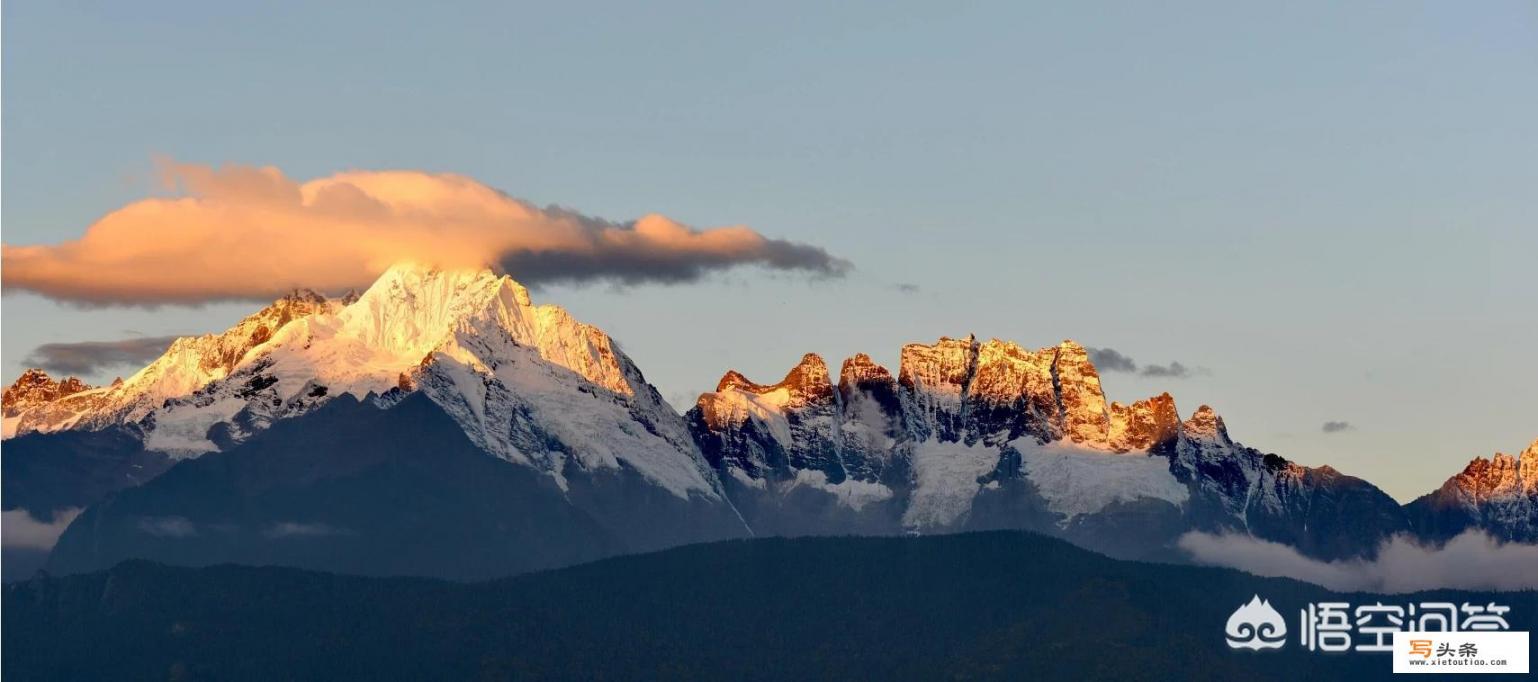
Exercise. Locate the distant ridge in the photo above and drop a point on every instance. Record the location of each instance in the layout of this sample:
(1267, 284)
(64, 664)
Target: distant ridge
(228, 447)
(1000, 605)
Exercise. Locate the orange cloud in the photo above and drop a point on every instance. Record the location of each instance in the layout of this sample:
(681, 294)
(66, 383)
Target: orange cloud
(242, 232)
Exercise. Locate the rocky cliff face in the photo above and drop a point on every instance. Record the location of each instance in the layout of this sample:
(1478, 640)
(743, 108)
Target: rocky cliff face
(1079, 394)
(991, 434)
(189, 365)
(527, 383)
(1498, 495)
(32, 391)
(798, 413)
(551, 399)
(967, 435)
(1144, 424)
(1236, 489)
(34, 387)
(1013, 394)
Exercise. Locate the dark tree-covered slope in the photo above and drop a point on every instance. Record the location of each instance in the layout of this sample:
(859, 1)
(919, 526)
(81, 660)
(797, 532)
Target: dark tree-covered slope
(999, 605)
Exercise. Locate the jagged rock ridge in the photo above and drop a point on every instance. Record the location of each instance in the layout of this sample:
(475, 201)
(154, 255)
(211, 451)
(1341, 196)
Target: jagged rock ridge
(33, 389)
(1498, 495)
(967, 434)
(190, 364)
(552, 397)
(991, 434)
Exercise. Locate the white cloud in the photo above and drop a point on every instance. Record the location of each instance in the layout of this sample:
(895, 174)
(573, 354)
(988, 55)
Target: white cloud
(1470, 561)
(247, 233)
(19, 529)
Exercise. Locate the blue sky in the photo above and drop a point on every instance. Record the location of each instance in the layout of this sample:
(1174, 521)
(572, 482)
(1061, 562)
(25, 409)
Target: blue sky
(1329, 209)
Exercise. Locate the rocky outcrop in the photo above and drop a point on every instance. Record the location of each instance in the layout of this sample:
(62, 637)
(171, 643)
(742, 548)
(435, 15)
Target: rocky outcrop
(991, 435)
(1013, 394)
(33, 388)
(1144, 425)
(967, 435)
(1079, 394)
(775, 429)
(936, 378)
(1498, 495)
(190, 364)
(218, 355)
(997, 391)
(1236, 489)
(440, 403)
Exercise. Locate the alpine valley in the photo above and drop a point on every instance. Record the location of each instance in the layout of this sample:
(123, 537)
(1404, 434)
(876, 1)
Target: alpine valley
(441, 424)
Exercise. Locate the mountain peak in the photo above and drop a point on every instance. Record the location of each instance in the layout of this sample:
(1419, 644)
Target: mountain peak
(1083, 400)
(39, 379)
(861, 376)
(1205, 424)
(810, 377)
(411, 282)
(859, 369)
(734, 379)
(216, 355)
(34, 376)
(300, 296)
(35, 387)
(1501, 471)
(1144, 424)
(943, 368)
(1495, 477)
(360, 344)
(807, 382)
(410, 275)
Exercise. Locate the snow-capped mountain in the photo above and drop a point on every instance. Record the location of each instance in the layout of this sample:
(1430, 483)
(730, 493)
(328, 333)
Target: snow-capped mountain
(521, 383)
(528, 383)
(1498, 495)
(984, 435)
(1233, 488)
(34, 389)
(190, 364)
(445, 411)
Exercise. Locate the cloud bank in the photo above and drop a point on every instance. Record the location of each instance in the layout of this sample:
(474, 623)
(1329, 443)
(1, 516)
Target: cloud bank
(1112, 360)
(1470, 561)
(19, 529)
(89, 357)
(242, 233)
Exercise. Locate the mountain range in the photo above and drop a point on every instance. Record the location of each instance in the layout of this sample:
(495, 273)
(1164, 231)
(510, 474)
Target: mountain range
(441, 424)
